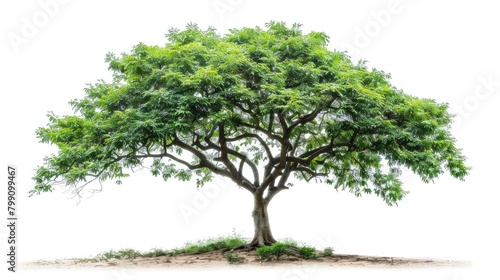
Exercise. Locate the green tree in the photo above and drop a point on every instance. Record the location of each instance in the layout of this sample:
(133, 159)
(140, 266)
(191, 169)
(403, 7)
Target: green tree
(257, 105)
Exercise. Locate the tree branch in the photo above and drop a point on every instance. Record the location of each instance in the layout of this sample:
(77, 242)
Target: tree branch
(255, 171)
(312, 154)
(256, 136)
(309, 171)
(271, 121)
(283, 123)
(272, 192)
(266, 132)
(309, 117)
(278, 170)
(206, 163)
(224, 155)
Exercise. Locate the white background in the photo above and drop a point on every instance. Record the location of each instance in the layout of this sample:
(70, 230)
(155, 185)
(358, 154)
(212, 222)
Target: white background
(447, 51)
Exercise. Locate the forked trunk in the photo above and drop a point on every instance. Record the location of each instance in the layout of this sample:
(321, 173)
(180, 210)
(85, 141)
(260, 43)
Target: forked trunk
(262, 235)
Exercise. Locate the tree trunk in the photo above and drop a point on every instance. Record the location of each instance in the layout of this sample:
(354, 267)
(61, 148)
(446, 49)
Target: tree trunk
(262, 235)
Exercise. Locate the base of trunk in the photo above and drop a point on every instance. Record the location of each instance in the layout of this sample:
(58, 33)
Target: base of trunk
(262, 235)
(261, 242)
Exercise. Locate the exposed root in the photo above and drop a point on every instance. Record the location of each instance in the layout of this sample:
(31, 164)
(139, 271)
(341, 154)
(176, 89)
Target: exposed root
(245, 247)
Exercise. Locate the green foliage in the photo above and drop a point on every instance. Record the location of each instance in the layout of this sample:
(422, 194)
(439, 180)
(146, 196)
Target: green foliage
(206, 104)
(308, 252)
(208, 245)
(201, 246)
(290, 242)
(287, 248)
(232, 258)
(328, 251)
(155, 252)
(121, 254)
(276, 250)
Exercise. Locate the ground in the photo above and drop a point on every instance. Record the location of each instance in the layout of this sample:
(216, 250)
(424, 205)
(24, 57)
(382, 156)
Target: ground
(249, 258)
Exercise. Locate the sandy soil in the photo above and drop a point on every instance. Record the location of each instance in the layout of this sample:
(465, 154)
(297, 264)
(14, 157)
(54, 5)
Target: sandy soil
(249, 258)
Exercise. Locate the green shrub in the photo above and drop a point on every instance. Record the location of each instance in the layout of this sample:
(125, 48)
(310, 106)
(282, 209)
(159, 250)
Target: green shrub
(308, 252)
(277, 250)
(232, 258)
(328, 251)
(211, 244)
(155, 253)
(290, 242)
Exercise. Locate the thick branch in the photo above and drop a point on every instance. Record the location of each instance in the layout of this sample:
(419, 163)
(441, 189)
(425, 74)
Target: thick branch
(269, 133)
(212, 146)
(310, 172)
(271, 121)
(278, 170)
(312, 154)
(206, 163)
(256, 136)
(283, 123)
(225, 158)
(224, 154)
(308, 118)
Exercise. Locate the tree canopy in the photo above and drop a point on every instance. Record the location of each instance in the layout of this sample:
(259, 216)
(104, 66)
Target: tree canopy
(257, 105)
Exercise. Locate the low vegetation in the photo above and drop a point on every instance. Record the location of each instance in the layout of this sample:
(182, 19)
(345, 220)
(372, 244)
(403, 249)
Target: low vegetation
(226, 243)
(290, 248)
(233, 258)
(201, 246)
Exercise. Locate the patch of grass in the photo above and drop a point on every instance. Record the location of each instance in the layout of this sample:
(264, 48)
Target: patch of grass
(328, 251)
(290, 242)
(287, 247)
(232, 258)
(153, 253)
(86, 260)
(121, 254)
(290, 247)
(276, 250)
(308, 252)
(211, 244)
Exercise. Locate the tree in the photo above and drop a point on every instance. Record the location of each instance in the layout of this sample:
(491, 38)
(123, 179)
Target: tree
(257, 106)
